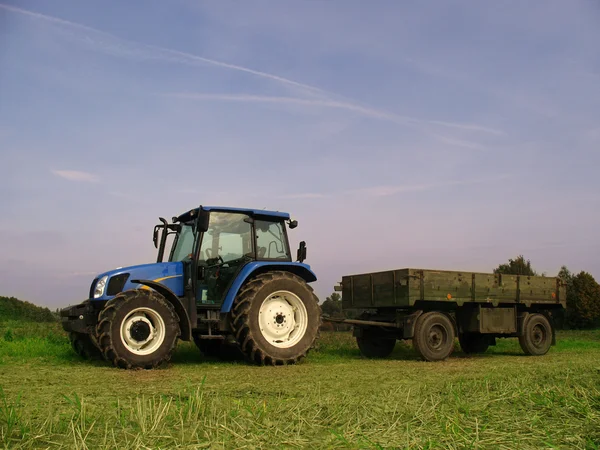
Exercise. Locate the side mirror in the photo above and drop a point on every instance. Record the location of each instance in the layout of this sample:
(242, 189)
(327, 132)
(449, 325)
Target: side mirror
(293, 224)
(301, 255)
(155, 236)
(203, 218)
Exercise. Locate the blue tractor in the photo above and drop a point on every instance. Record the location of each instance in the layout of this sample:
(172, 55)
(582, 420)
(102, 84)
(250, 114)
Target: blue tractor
(229, 284)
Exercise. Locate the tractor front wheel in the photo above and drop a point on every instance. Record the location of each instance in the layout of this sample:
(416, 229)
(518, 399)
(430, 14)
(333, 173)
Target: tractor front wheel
(275, 318)
(138, 329)
(84, 346)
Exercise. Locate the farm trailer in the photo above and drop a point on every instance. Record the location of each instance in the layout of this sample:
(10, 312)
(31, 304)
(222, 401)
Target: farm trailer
(432, 307)
(229, 284)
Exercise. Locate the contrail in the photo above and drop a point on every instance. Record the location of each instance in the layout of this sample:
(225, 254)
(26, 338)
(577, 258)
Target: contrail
(117, 46)
(179, 56)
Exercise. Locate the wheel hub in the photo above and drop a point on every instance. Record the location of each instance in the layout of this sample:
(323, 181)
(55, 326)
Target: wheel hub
(283, 319)
(538, 336)
(436, 337)
(143, 331)
(140, 331)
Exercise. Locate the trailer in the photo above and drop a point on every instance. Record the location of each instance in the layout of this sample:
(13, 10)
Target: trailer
(433, 307)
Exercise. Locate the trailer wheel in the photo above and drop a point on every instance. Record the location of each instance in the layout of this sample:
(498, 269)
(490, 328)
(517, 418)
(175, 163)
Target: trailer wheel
(537, 335)
(84, 346)
(434, 336)
(138, 329)
(374, 346)
(275, 318)
(472, 343)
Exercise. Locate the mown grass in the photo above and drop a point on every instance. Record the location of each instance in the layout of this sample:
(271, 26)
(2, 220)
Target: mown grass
(335, 399)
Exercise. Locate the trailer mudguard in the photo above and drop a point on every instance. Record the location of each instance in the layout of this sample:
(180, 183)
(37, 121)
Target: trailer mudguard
(184, 318)
(302, 270)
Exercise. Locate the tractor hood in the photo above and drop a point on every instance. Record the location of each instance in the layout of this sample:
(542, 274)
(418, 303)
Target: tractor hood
(122, 279)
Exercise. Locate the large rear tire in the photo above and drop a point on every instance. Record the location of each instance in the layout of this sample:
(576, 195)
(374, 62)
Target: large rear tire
(434, 336)
(275, 318)
(537, 335)
(84, 346)
(138, 329)
(374, 346)
(473, 343)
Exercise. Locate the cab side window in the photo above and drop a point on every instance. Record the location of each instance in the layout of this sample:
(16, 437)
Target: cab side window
(270, 240)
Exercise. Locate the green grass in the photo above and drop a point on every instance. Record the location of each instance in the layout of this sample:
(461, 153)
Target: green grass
(334, 399)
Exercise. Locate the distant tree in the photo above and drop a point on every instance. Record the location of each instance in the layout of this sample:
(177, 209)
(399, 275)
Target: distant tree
(517, 266)
(332, 306)
(583, 300)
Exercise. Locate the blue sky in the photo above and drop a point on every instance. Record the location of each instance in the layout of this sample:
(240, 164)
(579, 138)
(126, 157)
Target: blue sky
(450, 135)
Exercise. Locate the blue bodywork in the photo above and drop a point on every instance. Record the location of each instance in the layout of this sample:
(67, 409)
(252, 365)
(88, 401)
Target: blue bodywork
(168, 273)
(300, 269)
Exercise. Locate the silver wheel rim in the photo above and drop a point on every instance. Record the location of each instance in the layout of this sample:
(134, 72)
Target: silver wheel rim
(283, 319)
(142, 331)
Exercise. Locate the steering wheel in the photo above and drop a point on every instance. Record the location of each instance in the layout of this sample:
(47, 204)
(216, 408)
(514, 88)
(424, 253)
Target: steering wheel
(215, 261)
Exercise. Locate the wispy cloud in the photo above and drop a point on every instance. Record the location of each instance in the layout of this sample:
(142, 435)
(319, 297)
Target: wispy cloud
(461, 143)
(117, 46)
(331, 103)
(306, 195)
(384, 191)
(467, 127)
(76, 175)
(120, 47)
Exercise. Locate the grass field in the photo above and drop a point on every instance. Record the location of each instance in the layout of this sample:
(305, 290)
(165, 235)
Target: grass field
(49, 398)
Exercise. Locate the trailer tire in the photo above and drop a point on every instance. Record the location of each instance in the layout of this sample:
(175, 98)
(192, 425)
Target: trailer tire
(473, 343)
(536, 337)
(84, 346)
(138, 329)
(275, 318)
(434, 336)
(374, 346)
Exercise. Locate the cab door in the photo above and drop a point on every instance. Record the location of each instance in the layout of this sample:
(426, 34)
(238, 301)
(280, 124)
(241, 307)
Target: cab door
(226, 247)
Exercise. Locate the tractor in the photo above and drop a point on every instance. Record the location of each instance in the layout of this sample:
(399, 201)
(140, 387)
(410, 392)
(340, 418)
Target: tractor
(229, 284)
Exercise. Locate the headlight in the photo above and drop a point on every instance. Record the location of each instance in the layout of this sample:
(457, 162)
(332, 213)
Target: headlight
(100, 285)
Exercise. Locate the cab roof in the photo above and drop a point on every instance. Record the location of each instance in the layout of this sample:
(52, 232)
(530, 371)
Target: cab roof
(275, 215)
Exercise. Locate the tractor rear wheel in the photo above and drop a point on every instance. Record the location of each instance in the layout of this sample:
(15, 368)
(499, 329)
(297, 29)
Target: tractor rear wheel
(275, 318)
(536, 338)
(84, 346)
(375, 346)
(472, 343)
(434, 336)
(138, 329)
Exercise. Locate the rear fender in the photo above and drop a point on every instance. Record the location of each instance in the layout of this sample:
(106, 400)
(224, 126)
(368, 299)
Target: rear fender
(252, 269)
(184, 318)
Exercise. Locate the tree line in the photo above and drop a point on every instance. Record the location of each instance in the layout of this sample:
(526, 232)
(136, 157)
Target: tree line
(14, 309)
(583, 296)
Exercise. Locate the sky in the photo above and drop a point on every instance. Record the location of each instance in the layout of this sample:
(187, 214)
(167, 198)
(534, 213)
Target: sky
(449, 135)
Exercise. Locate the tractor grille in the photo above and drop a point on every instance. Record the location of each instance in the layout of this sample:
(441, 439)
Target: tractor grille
(116, 283)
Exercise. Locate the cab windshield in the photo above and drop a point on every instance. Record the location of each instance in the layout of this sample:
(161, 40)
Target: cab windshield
(183, 246)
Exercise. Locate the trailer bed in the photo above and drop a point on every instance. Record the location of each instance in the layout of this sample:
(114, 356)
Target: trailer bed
(403, 288)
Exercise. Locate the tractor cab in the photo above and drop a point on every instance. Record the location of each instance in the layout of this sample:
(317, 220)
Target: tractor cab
(216, 243)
